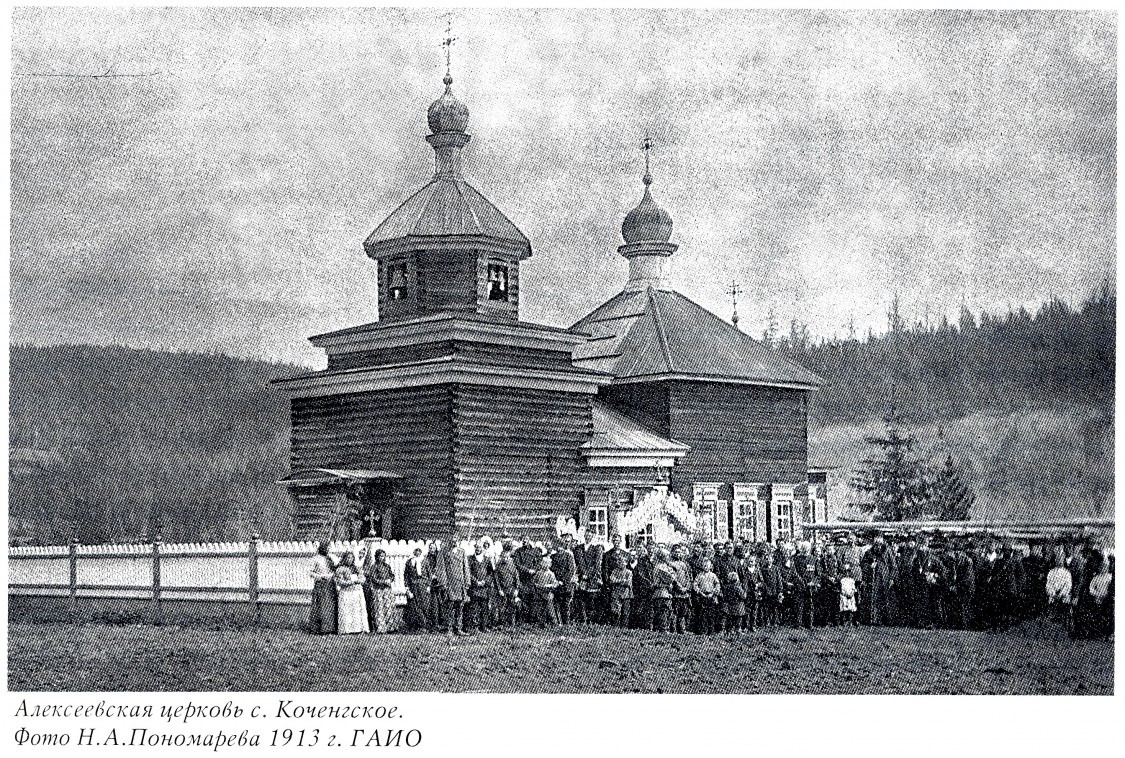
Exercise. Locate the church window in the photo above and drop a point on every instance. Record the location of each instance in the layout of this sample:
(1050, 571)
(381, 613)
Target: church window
(745, 526)
(785, 519)
(597, 521)
(497, 282)
(396, 280)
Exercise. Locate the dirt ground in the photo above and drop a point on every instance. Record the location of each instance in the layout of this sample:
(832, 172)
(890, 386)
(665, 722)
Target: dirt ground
(1034, 660)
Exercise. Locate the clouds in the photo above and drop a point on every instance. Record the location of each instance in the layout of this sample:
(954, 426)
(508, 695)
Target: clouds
(824, 160)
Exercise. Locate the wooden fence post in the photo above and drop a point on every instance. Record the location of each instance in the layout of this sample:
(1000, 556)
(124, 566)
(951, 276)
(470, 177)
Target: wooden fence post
(254, 604)
(156, 609)
(73, 576)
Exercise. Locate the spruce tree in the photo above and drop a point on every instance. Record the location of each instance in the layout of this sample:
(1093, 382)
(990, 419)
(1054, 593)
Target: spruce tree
(896, 480)
(951, 498)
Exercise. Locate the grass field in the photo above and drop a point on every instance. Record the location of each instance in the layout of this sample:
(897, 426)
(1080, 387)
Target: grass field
(1034, 660)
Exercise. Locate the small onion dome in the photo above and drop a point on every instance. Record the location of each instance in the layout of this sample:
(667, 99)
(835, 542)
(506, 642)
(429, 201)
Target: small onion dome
(447, 113)
(648, 222)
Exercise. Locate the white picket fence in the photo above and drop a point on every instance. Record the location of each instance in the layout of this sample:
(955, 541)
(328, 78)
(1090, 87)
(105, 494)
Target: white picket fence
(253, 572)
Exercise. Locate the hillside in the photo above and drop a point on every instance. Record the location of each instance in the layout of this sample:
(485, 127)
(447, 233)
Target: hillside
(113, 443)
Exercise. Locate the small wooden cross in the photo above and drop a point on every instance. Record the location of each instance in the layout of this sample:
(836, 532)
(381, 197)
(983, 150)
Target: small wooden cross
(370, 519)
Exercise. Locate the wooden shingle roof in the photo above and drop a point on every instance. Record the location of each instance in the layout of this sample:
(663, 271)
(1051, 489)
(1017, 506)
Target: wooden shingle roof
(447, 206)
(660, 334)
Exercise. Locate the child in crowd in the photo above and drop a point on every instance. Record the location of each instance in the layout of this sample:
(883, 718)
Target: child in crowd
(847, 596)
(734, 602)
(620, 592)
(707, 589)
(545, 583)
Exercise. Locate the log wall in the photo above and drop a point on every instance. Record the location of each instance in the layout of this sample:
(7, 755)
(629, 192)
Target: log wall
(517, 461)
(406, 431)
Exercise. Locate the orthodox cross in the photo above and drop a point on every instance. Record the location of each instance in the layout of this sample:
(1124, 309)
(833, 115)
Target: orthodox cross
(370, 519)
(646, 148)
(447, 43)
(734, 291)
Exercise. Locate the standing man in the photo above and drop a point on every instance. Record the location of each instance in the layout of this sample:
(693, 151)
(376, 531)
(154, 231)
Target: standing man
(452, 574)
(663, 577)
(588, 563)
(481, 586)
(642, 587)
(908, 583)
(527, 558)
(753, 581)
(792, 590)
(565, 570)
(771, 589)
(879, 576)
(805, 564)
(932, 581)
(609, 563)
(681, 590)
(507, 579)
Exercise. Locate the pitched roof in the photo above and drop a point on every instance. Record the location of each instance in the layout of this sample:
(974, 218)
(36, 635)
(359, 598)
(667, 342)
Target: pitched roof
(447, 206)
(660, 333)
(616, 431)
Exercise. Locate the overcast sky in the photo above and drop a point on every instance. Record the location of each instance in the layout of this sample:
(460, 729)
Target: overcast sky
(823, 160)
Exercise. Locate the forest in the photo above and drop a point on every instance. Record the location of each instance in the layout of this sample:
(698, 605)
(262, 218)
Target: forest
(120, 444)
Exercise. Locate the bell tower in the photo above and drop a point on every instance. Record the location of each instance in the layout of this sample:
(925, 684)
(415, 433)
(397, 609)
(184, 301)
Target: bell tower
(447, 249)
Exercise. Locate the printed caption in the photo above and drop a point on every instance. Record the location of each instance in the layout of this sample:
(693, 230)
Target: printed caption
(280, 723)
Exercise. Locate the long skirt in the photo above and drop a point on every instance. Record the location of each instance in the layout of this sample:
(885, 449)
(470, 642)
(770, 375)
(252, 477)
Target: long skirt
(351, 611)
(382, 603)
(322, 614)
(418, 609)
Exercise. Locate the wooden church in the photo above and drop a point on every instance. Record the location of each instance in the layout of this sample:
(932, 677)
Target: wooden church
(451, 415)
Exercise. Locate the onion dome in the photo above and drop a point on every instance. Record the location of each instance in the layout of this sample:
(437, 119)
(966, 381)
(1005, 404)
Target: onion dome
(648, 222)
(447, 113)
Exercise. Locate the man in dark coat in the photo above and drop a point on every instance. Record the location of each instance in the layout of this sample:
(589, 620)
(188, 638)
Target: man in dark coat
(793, 589)
(828, 600)
(642, 587)
(906, 584)
(771, 590)
(507, 581)
(961, 588)
(805, 565)
(527, 558)
(588, 563)
(879, 576)
(933, 581)
(563, 566)
(753, 581)
(726, 561)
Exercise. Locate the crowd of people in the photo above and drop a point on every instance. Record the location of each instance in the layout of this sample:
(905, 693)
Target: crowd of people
(727, 587)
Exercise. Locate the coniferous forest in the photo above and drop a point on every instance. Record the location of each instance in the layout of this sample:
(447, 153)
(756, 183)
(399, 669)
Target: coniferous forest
(122, 444)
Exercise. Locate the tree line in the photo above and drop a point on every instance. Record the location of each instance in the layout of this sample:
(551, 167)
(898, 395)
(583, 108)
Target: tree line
(945, 370)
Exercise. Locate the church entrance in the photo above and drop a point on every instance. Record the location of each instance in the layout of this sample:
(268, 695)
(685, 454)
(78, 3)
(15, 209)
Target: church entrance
(343, 504)
(371, 515)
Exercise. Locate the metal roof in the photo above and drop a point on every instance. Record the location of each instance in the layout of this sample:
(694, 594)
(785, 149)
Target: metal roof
(616, 431)
(447, 206)
(655, 333)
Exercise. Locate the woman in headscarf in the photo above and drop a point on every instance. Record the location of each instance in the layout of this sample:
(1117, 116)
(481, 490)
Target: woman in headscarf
(380, 577)
(322, 614)
(351, 610)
